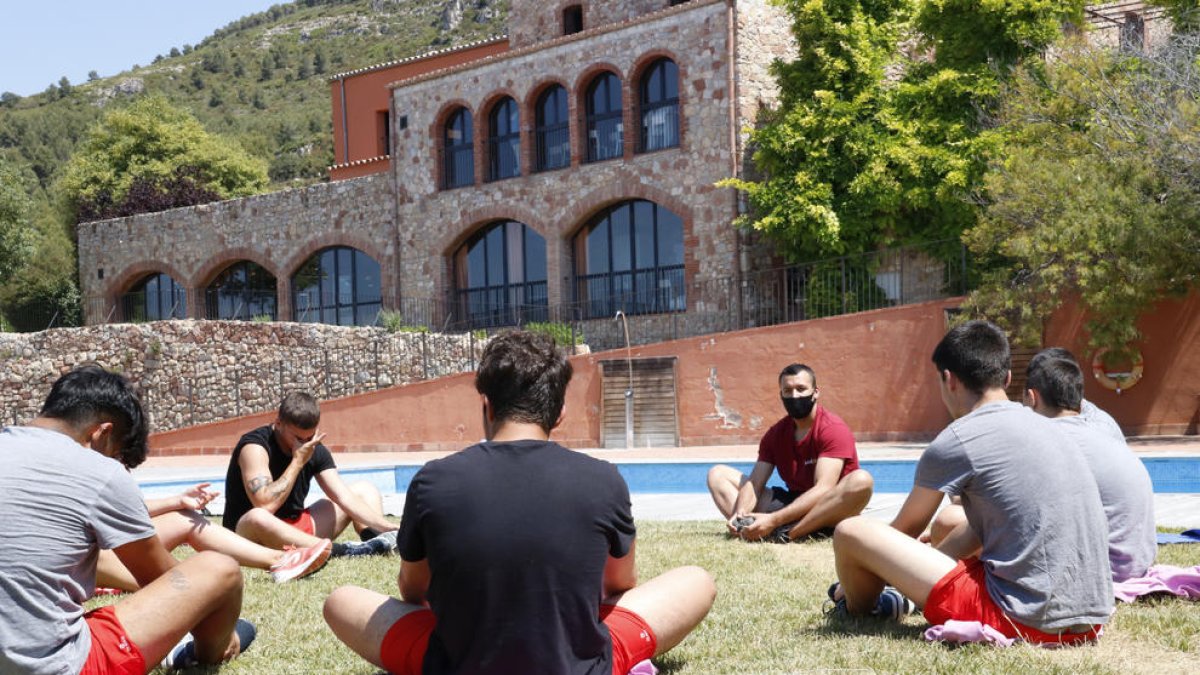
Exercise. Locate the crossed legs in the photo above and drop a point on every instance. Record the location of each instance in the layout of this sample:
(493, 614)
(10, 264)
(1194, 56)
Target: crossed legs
(329, 519)
(672, 604)
(848, 498)
(201, 595)
(869, 553)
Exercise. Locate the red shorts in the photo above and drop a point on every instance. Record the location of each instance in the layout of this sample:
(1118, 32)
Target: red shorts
(302, 522)
(403, 648)
(113, 653)
(962, 595)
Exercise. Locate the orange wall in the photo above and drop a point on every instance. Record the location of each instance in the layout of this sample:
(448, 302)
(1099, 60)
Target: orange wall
(873, 370)
(367, 94)
(1167, 399)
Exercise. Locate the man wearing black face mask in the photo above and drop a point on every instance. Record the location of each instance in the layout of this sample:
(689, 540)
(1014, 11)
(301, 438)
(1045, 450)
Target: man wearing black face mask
(814, 453)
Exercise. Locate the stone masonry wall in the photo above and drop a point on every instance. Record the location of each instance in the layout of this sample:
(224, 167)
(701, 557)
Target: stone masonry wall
(558, 203)
(533, 21)
(192, 372)
(278, 231)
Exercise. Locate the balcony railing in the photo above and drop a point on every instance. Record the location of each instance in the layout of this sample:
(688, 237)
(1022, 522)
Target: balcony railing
(651, 291)
(660, 126)
(508, 305)
(242, 305)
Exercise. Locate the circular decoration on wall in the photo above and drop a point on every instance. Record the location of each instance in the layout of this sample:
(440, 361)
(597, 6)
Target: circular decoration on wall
(1117, 380)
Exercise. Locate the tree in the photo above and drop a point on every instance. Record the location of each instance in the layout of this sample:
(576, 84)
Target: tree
(1097, 194)
(16, 233)
(150, 148)
(879, 136)
(93, 76)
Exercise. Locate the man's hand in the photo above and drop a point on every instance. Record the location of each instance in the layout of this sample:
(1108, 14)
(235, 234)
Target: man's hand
(764, 524)
(304, 452)
(197, 497)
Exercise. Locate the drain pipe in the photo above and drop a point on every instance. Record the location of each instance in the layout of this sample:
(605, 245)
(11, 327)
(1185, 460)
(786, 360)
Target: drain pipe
(629, 383)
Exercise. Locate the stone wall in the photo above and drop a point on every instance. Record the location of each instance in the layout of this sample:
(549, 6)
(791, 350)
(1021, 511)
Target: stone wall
(192, 372)
(279, 231)
(558, 203)
(534, 21)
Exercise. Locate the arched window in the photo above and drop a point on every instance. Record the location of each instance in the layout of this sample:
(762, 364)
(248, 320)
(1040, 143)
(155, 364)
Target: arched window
(500, 274)
(244, 291)
(155, 298)
(338, 285)
(553, 132)
(459, 148)
(504, 140)
(630, 258)
(659, 91)
(605, 128)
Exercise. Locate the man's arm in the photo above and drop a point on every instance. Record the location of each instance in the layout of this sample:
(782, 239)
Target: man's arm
(414, 581)
(335, 488)
(828, 472)
(146, 559)
(749, 493)
(266, 492)
(194, 498)
(917, 511)
(620, 574)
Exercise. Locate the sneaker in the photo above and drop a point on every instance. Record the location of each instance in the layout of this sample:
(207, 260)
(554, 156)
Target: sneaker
(301, 562)
(383, 544)
(183, 655)
(893, 605)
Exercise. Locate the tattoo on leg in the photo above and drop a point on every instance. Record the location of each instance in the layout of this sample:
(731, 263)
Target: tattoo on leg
(258, 482)
(178, 580)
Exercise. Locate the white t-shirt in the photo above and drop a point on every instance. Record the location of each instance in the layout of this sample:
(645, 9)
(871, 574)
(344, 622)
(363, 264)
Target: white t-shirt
(60, 503)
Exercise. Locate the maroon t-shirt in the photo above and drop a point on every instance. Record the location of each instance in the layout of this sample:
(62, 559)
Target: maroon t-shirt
(796, 461)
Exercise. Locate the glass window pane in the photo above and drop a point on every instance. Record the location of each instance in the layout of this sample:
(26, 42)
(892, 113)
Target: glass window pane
(535, 256)
(495, 257)
(670, 75)
(670, 238)
(622, 241)
(476, 265)
(643, 228)
(368, 278)
(516, 252)
(597, 248)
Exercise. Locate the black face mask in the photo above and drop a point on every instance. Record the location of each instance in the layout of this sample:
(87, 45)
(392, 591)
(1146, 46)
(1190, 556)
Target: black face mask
(798, 407)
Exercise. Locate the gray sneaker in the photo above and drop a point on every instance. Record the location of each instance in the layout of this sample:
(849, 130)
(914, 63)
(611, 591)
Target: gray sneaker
(384, 544)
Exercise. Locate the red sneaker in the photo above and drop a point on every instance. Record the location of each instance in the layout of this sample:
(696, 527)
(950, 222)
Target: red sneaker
(301, 562)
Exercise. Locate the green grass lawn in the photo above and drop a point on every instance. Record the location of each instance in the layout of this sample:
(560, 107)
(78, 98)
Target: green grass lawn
(767, 619)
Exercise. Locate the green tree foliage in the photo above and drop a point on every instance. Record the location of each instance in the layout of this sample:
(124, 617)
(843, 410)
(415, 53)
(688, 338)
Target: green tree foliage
(1097, 193)
(152, 146)
(880, 133)
(16, 232)
(1184, 14)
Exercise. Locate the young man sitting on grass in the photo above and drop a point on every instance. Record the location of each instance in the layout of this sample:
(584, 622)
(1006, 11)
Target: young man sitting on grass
(1034, 512)
(178, 520)
(518, 554)
(63, 497)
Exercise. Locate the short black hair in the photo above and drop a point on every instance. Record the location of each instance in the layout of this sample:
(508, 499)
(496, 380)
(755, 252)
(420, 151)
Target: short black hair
(977, 353)
(1052, 353)
(300, 409)
(90, 395)
(524, 376)
(796, 369)
(1057, 380)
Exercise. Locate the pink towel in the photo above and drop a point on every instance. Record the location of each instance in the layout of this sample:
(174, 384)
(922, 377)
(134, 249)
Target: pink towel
(967, 631)
(644, 668)
(1181, 581)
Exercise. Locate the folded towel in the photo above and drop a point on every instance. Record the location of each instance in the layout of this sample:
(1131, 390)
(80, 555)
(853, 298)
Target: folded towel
(644, 668)
(1181, 581)
(967, 631)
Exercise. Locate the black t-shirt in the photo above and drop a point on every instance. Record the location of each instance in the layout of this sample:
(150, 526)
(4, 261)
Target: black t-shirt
(517, 536)
(237, 502)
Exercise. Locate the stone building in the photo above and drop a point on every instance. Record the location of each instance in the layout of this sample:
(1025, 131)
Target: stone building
(563, 172)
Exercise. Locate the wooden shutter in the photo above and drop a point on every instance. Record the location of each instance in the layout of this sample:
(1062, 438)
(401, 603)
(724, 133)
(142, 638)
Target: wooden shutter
(655, 422)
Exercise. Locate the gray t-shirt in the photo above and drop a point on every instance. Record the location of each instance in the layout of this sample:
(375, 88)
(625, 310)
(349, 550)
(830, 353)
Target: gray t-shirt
(1100, 420)
(1036, 509)
(60, 503)
(1126, 493)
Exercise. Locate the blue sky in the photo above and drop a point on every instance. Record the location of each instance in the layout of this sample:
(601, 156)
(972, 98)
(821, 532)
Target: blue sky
(43, 40)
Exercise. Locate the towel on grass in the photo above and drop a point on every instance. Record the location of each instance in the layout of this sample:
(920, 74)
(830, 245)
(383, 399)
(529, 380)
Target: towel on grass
(1181, 581)
(1185, 537)
(960, 632)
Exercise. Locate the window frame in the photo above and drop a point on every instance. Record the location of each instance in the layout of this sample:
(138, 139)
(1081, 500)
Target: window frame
(542, 130)
(462, 120)
(650, 103)
(612, 83)
(497, 140)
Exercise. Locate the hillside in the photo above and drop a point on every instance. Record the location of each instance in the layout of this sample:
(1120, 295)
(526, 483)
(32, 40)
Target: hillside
(261, 80)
